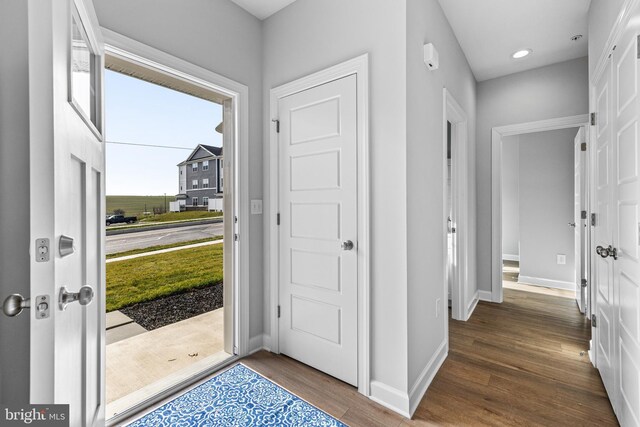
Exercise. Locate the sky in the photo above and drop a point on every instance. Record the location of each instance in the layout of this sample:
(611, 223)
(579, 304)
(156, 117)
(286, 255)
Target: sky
(143, 113)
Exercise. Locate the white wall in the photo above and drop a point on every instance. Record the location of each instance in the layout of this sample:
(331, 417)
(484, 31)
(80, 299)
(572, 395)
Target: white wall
(221, 37)
(309, 36)
(554, 91)
(426, 23)
(546, 206)
(14, 209)
(511, 197)
(602, 15)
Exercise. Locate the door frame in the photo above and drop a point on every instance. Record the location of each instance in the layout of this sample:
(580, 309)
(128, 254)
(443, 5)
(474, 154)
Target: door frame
(461, 307)
(497, 134)
(237, 143)
(360, 67)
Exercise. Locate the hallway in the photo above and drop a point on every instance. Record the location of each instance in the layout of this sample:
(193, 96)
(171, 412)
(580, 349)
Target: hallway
(516, 363)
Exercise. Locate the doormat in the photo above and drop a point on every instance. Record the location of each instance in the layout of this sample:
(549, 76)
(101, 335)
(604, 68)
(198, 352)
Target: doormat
(238, 396)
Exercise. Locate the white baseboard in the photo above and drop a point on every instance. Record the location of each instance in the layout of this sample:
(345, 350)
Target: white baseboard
(256, 343)
(391, 398)
(266, 342)
(509, 257)
(485, 296)
(472, 305)
(538, 281)
(426, 377)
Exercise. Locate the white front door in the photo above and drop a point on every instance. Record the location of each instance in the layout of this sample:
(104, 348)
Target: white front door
(603, 235)
(625, 181)
(318, 228)
(67, 209)
(579, 222)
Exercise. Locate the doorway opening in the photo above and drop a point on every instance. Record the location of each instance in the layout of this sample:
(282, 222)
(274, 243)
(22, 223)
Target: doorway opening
(543, 227)
(173, 294)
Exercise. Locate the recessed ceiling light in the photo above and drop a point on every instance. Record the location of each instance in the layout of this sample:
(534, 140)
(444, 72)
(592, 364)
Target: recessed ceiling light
(521, 53)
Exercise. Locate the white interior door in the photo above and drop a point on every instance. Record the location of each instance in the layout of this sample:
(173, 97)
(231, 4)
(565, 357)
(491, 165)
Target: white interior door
(626, 232)
(318, 229)
(578, 221)
(67, 202)
(605, 332)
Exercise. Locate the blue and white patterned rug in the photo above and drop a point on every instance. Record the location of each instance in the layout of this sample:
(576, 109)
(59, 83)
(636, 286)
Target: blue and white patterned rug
(237, 397)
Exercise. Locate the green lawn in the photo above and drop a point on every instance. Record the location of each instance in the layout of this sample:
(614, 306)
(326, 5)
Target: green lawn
(160, 247)
(136, 205)
(180, 216)
(148, 278)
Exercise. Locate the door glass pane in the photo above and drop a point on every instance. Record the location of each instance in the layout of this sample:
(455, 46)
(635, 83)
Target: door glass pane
(82, 72)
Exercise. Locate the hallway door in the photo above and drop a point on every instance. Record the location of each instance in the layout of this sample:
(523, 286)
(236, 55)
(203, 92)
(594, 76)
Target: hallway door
(319, 228)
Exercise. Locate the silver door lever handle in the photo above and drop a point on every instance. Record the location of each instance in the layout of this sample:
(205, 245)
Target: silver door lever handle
(14, 304)
(84, 296)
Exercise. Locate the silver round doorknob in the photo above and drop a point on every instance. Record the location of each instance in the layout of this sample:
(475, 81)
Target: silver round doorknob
(14, 304)
(347, 246)
(84, 296)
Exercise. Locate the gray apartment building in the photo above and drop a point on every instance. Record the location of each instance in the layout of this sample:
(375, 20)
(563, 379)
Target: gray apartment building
(200, 178)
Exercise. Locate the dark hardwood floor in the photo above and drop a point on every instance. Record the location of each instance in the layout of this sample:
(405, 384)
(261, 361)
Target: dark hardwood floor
(520, 363)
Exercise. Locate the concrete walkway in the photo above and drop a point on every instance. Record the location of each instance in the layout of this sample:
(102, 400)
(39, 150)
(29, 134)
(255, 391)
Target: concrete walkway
(164, 251)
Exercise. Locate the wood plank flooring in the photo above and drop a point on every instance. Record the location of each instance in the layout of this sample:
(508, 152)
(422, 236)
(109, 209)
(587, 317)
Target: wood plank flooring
(520, 363)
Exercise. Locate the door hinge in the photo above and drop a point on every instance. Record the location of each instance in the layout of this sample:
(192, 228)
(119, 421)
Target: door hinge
(583, 283)
(583, 146)
(593, 220)
(594, 322)
(235, 219)
(583, 215)
(278, 312)
(593, 119)
(236, 237)
(277, 122)
(278, 218)
(638, 47)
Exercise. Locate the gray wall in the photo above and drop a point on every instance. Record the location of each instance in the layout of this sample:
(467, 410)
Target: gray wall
(511, 196)
(14, 186)
(546, 204)
(309, 36)
(558, 90)
(426, 23)
(221, 37)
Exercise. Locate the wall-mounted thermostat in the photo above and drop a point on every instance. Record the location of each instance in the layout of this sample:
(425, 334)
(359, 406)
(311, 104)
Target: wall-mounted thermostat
(431, 57)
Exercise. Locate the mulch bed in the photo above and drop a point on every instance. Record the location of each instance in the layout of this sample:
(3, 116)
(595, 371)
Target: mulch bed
(167, 310)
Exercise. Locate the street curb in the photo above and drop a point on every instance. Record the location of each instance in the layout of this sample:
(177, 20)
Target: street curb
(116, 232)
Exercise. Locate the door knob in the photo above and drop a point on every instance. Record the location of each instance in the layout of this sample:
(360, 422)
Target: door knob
(347, 246)
(84, 296)
(572, 224)
(14, 304)
(607, 252)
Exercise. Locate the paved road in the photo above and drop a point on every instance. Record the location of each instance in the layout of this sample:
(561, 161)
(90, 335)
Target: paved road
(145, 239)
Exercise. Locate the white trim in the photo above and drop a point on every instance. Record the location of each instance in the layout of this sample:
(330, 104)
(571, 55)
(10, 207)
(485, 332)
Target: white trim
(135, 52)
(391, 398)
(471, 307)
(508, 257)
(497, 134)
(454, 113)
(426, 376)
(485, 296)
(360, 67)
(547, 283)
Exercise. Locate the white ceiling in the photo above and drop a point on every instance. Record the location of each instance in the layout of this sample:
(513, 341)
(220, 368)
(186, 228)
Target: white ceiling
(489, 31)
(262, 9)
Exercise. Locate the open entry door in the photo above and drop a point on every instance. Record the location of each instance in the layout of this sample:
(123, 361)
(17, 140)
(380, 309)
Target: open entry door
(67, 208)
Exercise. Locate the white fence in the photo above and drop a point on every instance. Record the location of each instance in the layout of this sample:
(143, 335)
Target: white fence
(215, 205)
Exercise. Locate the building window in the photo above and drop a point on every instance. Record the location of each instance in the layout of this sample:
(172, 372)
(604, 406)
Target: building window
(194, 167)
(205, 201)
(194, 201)
(205, 165)
(205, 183)
(194, 184)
